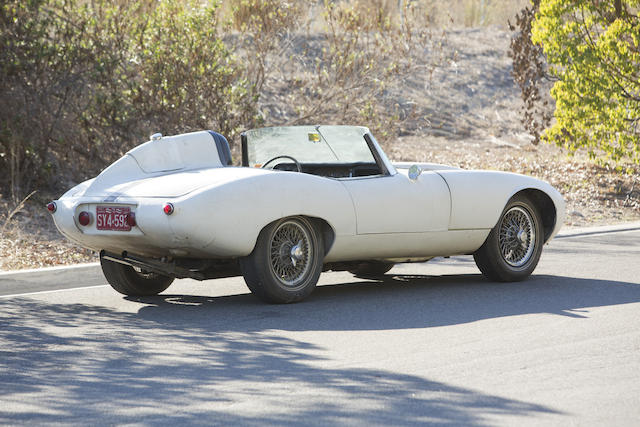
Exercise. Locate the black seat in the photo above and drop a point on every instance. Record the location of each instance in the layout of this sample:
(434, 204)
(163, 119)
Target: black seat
(224, 152)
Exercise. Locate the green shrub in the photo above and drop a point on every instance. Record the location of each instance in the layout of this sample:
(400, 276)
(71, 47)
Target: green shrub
(593, 49)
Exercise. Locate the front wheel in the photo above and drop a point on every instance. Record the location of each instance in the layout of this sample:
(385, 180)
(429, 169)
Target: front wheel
(286, 262)
(513, 248)
(133, 282)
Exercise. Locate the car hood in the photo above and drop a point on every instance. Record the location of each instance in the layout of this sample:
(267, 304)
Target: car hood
(169, 185)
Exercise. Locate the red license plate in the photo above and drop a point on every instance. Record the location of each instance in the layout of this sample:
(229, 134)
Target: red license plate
(112, 218)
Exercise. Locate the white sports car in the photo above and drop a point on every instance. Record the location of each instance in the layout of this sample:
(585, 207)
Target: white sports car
(306, 199)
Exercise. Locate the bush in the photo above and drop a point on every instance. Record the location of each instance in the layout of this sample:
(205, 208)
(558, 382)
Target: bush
(39, 75)
(81, 82)
(593, 48)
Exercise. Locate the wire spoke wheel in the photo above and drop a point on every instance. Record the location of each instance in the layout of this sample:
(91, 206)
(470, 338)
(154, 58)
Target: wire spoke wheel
(512, 249)
(290, 253)
(517, 237)
(286, 262)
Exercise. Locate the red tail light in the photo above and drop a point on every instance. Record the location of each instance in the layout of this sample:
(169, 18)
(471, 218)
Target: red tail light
(131, 219)
(51, 207)
(84, 218)
(168, 208)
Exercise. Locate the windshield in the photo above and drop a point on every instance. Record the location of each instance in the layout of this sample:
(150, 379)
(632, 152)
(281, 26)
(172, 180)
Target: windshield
(309, 144)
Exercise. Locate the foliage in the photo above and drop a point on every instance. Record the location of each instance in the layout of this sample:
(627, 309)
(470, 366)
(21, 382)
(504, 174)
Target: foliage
(360, 59)
(530, 73)
(34, 87)
(81, 82)
(593, 48)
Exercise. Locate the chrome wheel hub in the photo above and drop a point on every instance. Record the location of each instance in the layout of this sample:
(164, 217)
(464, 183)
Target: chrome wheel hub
(297, 253)
(291, 253)
(517, 237)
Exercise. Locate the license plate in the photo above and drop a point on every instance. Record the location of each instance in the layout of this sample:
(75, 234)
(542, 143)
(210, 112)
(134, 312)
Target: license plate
(112, 218)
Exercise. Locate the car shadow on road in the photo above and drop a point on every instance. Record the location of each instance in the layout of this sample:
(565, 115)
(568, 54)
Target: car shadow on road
(395, 302)
(226, 360)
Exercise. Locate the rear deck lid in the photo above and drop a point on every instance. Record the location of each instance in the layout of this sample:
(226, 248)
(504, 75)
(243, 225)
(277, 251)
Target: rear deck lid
(173, 184)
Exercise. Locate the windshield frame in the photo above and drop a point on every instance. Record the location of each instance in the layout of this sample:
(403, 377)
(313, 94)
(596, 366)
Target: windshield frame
(379, 157)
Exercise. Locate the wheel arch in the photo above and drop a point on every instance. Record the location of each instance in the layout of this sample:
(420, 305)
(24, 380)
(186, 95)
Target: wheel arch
(545, 206)
(327, 233)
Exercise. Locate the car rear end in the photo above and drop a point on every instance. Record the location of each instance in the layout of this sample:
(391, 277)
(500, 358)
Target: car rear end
(129, 205)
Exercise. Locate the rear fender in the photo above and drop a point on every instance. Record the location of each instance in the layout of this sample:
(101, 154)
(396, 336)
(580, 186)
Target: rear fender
(231, 216)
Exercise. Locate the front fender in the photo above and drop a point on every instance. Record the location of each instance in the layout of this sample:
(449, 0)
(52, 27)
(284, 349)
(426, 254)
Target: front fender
(479, 197)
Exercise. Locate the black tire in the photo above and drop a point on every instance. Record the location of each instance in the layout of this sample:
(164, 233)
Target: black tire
(286, 263)
(513, 248)
(126, 280)
(371, 269)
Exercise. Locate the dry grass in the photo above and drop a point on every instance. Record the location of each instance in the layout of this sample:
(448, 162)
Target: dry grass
(454, 13)
(480, 13)
(29, 238)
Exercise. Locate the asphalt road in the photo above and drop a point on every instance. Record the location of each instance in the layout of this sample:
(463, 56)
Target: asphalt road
(433, 343)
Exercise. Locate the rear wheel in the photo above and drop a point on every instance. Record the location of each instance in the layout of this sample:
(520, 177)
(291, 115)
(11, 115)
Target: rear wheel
(131, 281)
(286, 263)
(513, 248)
(371, 269)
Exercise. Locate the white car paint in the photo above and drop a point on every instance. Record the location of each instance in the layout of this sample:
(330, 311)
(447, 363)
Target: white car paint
(408, 206)
(220, 210)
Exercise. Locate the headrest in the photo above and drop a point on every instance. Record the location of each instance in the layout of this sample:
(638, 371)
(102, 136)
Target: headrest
(224, 152)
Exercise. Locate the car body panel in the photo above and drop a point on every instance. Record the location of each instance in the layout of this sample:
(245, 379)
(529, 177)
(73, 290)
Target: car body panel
(401, 247)
(478, 197)
(408, 206)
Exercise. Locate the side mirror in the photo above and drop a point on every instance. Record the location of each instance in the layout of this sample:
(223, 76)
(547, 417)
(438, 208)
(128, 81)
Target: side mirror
(414, 172)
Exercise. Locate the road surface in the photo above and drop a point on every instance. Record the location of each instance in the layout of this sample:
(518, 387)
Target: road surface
(432, 343)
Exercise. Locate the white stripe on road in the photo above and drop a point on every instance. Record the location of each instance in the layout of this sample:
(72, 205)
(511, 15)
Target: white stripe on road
(53, 290)
(45, 269)
(593, 231)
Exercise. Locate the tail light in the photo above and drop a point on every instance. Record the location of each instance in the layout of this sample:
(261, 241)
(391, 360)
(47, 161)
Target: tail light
(84, 218)
(52, 207)
(168, 208)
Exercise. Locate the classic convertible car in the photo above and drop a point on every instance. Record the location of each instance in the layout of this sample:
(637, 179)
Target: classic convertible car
(306, 199)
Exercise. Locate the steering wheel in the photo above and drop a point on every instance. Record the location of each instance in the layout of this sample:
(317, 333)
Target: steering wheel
(298, 165)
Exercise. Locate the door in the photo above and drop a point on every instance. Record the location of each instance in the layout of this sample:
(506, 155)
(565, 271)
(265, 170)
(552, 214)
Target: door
(396, 204)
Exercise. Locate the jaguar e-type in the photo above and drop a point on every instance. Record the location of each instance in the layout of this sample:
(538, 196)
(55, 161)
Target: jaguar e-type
(305, 199)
